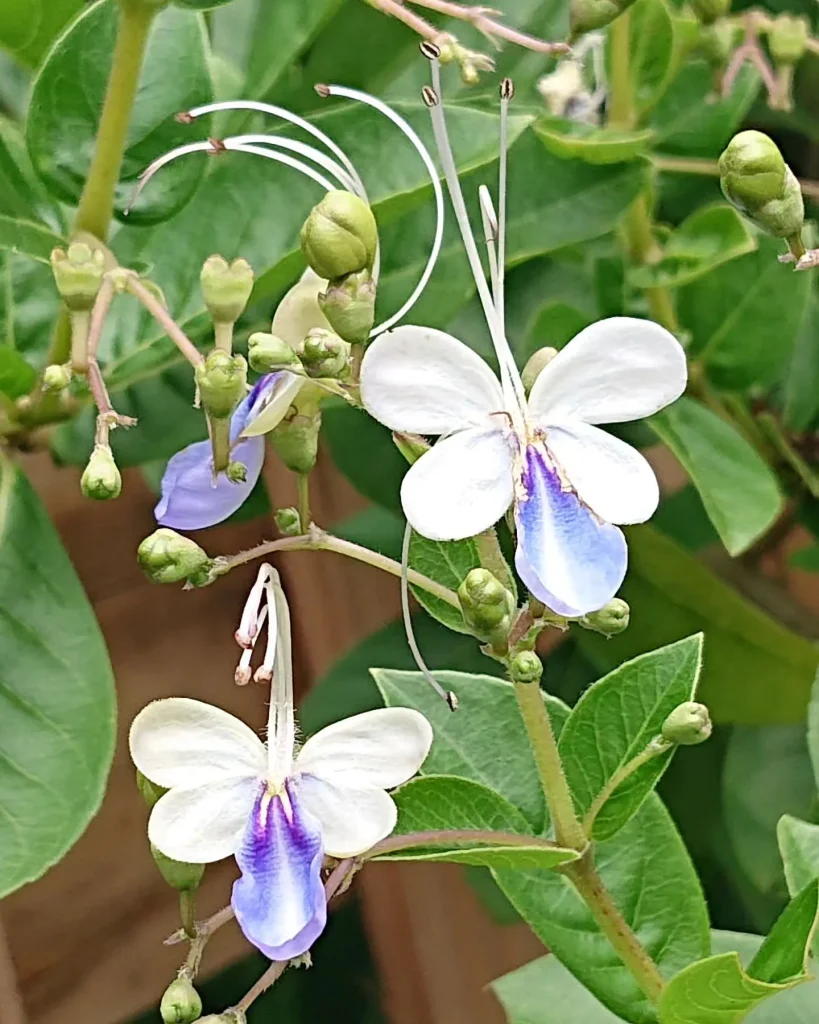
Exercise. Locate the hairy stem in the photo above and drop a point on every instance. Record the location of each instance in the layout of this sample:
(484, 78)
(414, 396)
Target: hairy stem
(303, 491)
(164, 319)
(494, 30)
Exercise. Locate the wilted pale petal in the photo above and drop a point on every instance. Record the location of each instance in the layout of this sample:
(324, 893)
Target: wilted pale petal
(352, 820)
(183, 742)
(278, 400)
(614, 371)
(461, 486)
(377, 749)
(567, 558)
(610, 476)
(427, 382)
(279, 900)
(202, 824)
(299, 311)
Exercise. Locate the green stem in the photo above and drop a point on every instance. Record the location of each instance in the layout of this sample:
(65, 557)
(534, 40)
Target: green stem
(97, 202)
(568, 830)
(187, 912)
(654, 749)
(220, 443)
(223, 335)
(303, 491)
(783, 446)
(448, 837)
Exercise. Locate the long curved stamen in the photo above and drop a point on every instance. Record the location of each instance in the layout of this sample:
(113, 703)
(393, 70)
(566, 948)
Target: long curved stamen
(282, 158)
(490, 232)
(344, 179)
(281, 726)
(382, 108)
(507, 91)
(449, 697)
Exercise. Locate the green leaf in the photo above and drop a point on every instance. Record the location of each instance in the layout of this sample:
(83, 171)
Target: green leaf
(57, 711)
(651, 51)
(801, 381)
(67, 99)
(574, 140)
(22, 194)
(616, 719)
(349, 432)
(544, 992)
(649, 875)
(744, 317)
(748, 656)
(16, 375)
(201, 5)
(447, 562)
(29, 304)
(28, 238)
(373, 528)
(28, 27)
(719, 991)
(798, 1005)
(711, 236)
(738, 489)
(799, 847)
(813, 729)
(465, 742)
(439, 803)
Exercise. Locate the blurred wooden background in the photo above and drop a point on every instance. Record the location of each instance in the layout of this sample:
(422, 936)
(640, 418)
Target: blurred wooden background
(85, 941)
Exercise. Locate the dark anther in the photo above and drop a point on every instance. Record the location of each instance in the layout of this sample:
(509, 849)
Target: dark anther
(430, 50)
(322, 90)
(184, 118)
(217, 146)
(507, 89)
(429, 96)
(452, 701)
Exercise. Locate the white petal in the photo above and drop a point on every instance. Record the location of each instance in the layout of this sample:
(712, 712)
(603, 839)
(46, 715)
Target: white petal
(610, 476)
(461, 486)
(279, 401)
(202, 824)
(184, 742)
(377, 749)
(427, 382)
(299, 311)
(614, 371)
(352, 820)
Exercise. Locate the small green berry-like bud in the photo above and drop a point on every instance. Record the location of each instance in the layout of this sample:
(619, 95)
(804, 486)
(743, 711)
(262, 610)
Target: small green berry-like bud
(340, 235)
(708, 11)
(226, 287)
(716, 42)
(349, 305)
(78, 274)
(101, 479)
(688, 724)
(222, 382)
(288, 521)
(610, 620)
(324, 354)
(755, 178)
(526, 667)
(56, 377)
(180, 1003)
(168, 557)
(788, 38)
(587, 15)
(537, 362)
(236, 472)
(266, 352)
(486, 604)
(178, 873)
(149, 791)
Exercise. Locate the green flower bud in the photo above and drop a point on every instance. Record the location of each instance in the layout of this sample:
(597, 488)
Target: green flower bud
(78, 274)
(688, 724)
(708, 11)
(288, 521)
(222, 383)
(168, 557)
(537, 362)
(610, 620)
(487, 606)
(296, 441)
(587, 15)
(755, 178)
(56, 377)
(716, 42)
(178, 874)
(349, 305)
(340, 236)
(526, 667)
(266, 352)
(226, 287)
(149, 791)
(180, 1003)
(236, 472)
(411, 446)
(324, 354)
(788, 38)
(101, 479)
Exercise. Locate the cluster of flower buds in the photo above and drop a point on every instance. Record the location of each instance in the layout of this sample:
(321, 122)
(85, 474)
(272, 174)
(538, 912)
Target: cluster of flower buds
(488, 607)
(180, 1003)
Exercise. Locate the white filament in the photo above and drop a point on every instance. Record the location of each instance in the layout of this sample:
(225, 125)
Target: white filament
(281, 725)
(490, 232)
(343, 178)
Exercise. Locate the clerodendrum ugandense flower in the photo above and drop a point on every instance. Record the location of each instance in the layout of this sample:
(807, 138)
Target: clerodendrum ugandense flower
(276, 808)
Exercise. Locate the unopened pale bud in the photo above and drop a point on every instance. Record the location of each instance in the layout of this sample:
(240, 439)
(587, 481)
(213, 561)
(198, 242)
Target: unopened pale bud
(168, 557)
(486, 604)
(469, 72)
(788, 38)
(716, 42)
(708, 11)
(411, 446)
(609, 620)
(178, 874)
(56, 377)
(222, 383)
(535, 364)
(78, 274)
(296, 441)
(266, 353)
(525, 667)
(349, 305)
(226, 287)
(324, 354)
(288, 521)
(756, 179)
(180, 1003)
(340, 235)
(101, 479)
(587, 15)
(149, 791)
(688, 724)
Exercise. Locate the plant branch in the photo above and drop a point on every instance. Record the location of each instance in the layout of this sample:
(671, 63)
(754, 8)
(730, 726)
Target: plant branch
(163, 318)
(654, 749)
(710, 169)
(493, 29)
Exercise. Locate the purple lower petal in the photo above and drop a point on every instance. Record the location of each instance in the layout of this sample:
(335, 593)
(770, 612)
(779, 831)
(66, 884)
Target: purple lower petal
(566, 556)
(279, 900)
